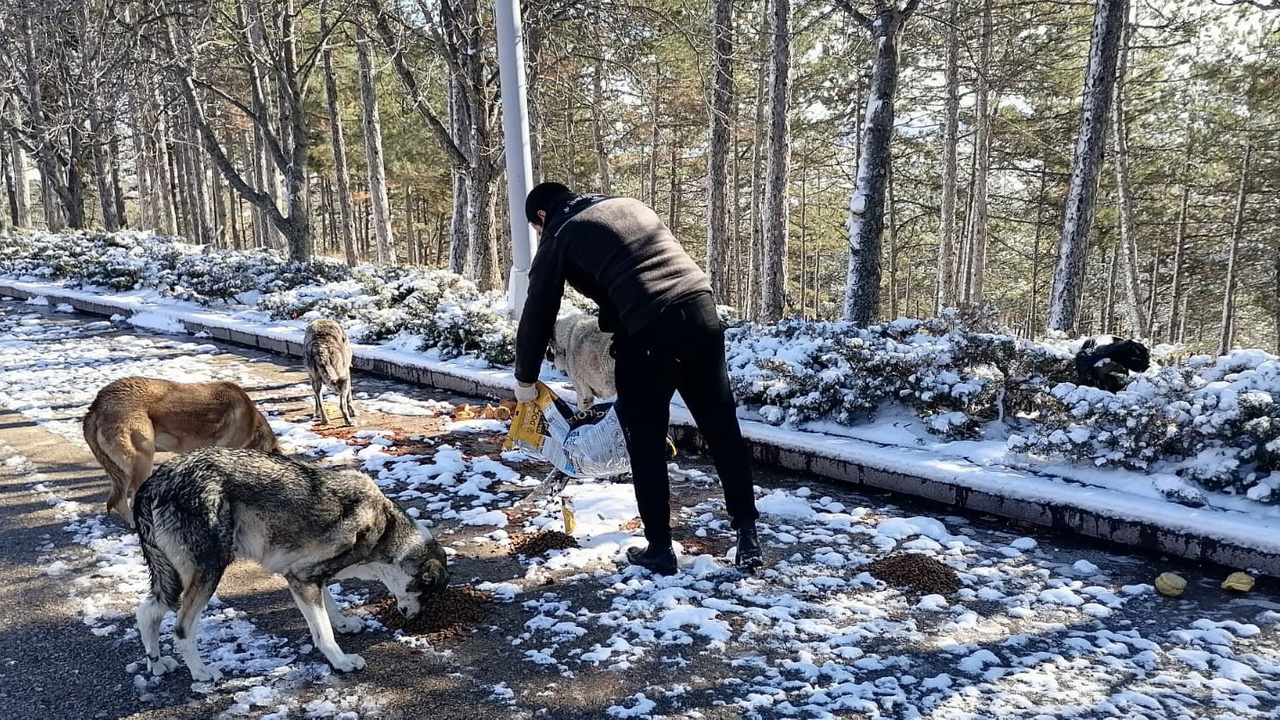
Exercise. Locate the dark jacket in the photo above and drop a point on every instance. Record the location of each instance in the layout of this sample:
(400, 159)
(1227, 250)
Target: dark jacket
(615, 251)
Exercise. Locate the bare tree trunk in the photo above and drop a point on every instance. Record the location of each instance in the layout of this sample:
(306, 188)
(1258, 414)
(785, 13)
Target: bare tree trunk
(597, 127)
(21, 185)
(1109, 311)
(218, 210)
(458, 232)
(1033, 321)
(892, 229)
(717, 168)
(10, 212)
(982, 147)
(482, 257)
(199, 186)
(1153, 283)
(117, 191)
(673, 188)
(410, 237)
(1176, 291)
(460, 238)
(866, 207)
(652, 198)
(1275, 299)
(946, 283)
(736, 261)
(162, 141)
(774, 288)
(102, 172)
(142, 163)
(181, 185)
(1068, 275)
(804, 235)
(373, 151)
(346, 217)
(1135, 317)
(1227, 337)
(757, 190)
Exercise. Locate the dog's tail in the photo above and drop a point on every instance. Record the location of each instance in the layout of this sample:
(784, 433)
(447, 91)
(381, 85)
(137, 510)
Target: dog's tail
(328, 360)
(166, 583)
(116, 475)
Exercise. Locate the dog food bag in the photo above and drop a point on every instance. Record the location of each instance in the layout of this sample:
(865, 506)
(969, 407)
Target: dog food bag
(589, 444)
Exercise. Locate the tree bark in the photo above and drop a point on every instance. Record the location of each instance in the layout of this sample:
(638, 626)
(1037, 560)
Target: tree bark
(373, 151)
(1109, 310)
(21, 185)
(774, 287)
(1068, 275)
(757, 191)
(1135, 316)
(102, 172)
(597, 127)
(1033, 320)
(975, 286)
(654, 126)
(1227, 338)
(1179, 248)
(892, 231)
(142, 162)
(866, 207)
(346, 218)
(717, 168)
(946, 283)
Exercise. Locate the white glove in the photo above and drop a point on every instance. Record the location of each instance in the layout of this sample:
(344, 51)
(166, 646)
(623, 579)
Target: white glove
(525, 393)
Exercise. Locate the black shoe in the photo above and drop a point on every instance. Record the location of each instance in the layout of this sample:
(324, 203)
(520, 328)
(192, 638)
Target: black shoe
(749, 556)
(659, 562)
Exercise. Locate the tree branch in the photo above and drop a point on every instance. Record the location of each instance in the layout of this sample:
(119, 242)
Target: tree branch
(410, 83)
(856, 14)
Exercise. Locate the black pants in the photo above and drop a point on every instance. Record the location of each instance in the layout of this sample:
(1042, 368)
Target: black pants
(683, 349)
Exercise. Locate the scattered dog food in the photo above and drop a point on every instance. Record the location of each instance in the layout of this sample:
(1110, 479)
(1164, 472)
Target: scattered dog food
(536, 544)
(1239, 581)
(477, 412)
(916, 572)
(450, 614)
(1170, 584)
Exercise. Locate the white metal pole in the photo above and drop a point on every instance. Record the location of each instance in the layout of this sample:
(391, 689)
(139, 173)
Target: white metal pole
(515, 129)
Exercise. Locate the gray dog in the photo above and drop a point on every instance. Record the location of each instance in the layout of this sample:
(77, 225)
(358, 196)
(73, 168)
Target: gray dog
(326, 353)
(201, 510)
(581, 350)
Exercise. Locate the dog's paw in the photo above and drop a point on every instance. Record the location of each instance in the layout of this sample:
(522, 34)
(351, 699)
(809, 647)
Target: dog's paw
(348, 663)
(347, 625)
(163, 665)
(206, 673)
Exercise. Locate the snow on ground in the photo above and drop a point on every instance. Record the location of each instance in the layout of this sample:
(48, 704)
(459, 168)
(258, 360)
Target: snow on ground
(1031, 634)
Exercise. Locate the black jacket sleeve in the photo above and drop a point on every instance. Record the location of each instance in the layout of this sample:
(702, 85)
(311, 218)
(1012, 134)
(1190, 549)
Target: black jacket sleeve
(538, 319)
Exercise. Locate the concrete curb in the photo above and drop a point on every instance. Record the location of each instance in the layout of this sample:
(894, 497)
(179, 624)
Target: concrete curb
(1075, 512)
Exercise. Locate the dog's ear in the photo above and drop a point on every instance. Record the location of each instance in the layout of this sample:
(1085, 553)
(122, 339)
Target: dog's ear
(551, 354)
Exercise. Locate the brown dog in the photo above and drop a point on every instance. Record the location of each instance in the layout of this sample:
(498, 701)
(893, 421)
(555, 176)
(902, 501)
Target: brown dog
(133, 418)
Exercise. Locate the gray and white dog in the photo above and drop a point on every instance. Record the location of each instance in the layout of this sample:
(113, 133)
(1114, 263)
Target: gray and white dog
(326, 353)
(201, 510)
(581, 350)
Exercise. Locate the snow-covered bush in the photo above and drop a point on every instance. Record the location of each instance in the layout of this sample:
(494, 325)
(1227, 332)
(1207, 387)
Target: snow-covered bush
(953, 378)
(1213, 420)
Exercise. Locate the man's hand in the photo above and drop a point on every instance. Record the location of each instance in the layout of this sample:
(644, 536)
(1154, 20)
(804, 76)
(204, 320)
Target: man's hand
(526, 392)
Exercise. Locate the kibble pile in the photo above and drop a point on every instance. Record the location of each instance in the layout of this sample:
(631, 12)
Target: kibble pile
(916, 572)
(536, 544)
(449, 614)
